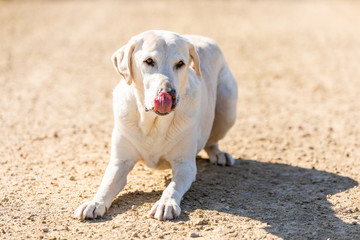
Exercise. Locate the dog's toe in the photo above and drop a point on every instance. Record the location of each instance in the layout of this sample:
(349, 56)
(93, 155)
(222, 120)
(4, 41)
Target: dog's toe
(221, 158)
(90, 210)
(165, 210)
(229, 159)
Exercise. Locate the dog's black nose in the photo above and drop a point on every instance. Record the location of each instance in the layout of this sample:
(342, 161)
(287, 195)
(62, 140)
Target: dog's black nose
(170, 91)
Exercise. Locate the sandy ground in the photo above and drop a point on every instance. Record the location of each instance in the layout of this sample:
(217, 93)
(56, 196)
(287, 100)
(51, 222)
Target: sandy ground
(296, 139)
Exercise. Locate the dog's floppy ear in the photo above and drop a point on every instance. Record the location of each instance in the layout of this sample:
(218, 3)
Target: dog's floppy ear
(195, 59)
(122, 61)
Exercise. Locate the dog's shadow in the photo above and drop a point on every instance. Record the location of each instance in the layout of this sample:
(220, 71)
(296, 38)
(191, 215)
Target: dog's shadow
(291, 200)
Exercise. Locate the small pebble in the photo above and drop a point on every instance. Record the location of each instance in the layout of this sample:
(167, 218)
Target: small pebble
(72, 178)
(202, 222)
(194, 234)
(45, 230)
(135, 235)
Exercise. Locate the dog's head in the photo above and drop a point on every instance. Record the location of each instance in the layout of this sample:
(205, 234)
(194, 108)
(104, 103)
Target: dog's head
(157, 63)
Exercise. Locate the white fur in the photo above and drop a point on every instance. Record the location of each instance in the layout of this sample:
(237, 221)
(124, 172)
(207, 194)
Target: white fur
(206, 109)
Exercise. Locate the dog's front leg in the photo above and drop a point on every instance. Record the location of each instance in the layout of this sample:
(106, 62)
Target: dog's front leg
(113, 182)
(168, 207)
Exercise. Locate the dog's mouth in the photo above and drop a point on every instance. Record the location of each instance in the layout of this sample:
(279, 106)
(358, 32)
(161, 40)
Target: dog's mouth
(164, 103)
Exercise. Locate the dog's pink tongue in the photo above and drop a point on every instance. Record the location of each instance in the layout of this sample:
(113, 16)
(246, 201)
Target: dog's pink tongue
(163, 103)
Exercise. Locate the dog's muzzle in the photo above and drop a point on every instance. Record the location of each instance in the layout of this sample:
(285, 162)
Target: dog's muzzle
(165, 102)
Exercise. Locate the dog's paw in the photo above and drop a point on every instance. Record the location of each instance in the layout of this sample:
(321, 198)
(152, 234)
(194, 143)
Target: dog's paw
(221, 158)
(90, 210)
(165, 210)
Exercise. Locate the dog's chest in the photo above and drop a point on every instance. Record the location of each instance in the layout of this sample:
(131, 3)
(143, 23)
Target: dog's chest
(161, 136)
(153, 149)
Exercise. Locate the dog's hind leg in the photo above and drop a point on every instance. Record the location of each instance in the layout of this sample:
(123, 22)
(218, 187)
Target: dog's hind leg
(225, 116)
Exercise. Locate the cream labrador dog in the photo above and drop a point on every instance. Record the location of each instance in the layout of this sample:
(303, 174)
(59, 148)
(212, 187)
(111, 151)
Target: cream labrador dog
(176, 97)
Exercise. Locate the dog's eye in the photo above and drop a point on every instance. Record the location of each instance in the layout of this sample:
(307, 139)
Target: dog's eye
(149, 62)
(180, 64)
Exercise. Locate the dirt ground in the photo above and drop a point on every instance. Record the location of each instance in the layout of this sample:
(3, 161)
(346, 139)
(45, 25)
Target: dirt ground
(296, 140)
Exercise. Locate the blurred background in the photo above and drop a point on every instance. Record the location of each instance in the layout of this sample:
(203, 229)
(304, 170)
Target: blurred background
(297, 67)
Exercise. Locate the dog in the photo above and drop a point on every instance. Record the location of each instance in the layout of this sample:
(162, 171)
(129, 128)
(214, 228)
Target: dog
(176, 97)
